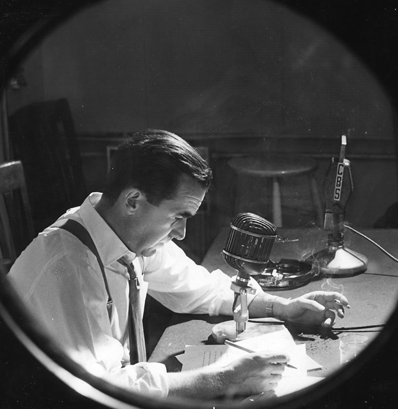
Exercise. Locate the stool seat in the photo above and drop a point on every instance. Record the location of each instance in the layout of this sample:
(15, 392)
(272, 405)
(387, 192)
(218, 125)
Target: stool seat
(273, 166)
(277, 168)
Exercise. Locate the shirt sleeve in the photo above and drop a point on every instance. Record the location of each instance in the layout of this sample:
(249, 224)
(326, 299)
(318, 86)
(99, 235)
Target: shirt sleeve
(68, 298)
(183, 286)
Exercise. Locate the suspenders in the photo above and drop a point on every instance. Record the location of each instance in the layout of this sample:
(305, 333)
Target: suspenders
(136, 332)
(78, 230)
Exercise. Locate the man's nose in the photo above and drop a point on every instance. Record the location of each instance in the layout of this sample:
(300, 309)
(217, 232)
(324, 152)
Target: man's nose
(179, 229)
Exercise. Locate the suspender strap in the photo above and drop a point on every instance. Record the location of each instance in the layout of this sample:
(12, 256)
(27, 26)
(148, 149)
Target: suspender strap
(78, 230)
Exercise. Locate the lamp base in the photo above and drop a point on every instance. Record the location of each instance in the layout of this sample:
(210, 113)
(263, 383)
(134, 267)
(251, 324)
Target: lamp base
(340, 262)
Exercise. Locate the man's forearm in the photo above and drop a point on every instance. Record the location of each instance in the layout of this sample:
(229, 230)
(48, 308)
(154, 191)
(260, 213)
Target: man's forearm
(209, 382)
(248, 374)
(266, 305)
(262, 305)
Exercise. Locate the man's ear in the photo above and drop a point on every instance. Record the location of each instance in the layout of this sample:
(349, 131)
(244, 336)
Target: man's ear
(133, 198)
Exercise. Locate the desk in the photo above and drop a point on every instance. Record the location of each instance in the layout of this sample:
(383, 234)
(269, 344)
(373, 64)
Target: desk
(372, 296)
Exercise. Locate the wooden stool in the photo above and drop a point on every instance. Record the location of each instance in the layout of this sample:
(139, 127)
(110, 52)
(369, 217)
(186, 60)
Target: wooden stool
(276, 168)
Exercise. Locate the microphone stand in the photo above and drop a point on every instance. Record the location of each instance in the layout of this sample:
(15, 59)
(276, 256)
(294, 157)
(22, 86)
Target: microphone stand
(337, 260)
(240, 286)
(247, 250)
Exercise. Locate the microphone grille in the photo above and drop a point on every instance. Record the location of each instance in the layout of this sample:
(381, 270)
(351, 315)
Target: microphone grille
(250, 239)
(253, 223)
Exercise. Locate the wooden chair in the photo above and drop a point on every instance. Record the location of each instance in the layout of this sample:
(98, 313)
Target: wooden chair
(44, 138)
(16, 224)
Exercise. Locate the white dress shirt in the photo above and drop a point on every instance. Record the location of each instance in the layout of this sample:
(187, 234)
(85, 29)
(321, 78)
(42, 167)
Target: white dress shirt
(60, 281)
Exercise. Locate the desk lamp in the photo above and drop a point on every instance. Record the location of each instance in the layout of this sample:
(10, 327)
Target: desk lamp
(337, 260)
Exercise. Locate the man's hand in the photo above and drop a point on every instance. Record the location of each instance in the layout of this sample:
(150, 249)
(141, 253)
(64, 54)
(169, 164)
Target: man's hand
(249, 374)
(254, 373)
(315, 308)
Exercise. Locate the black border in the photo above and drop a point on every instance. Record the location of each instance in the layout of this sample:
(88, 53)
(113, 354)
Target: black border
(370, 29)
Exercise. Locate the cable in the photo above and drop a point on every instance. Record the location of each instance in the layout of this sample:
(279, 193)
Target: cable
(358, 328)
(372, 241)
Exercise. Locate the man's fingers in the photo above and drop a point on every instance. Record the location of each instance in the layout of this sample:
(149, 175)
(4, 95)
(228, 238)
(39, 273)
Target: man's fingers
(276, 377)
(275, 358)
(338, 304)
(341, 300)
(314, 305)
(330, 317)
(271, 386)
(335, 300)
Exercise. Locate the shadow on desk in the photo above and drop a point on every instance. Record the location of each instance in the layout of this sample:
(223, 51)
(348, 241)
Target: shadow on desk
(156, 320)
(182, 330)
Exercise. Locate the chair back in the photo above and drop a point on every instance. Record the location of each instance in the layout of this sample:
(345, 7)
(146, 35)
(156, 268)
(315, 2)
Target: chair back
(16, 224)
(44, 139)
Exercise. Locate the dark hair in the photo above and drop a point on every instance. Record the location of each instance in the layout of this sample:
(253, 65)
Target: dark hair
(153, 161)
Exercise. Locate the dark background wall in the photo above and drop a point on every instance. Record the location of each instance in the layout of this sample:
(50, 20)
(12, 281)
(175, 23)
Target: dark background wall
(207, 67)
(236, 77)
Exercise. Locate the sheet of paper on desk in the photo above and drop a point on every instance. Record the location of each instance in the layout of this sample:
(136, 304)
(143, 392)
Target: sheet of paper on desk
(198, 356)
(273, 341)
(282, 341)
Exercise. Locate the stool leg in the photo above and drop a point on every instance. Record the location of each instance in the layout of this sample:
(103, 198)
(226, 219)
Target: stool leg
(316, 199)
(276, 203)
(236, 207)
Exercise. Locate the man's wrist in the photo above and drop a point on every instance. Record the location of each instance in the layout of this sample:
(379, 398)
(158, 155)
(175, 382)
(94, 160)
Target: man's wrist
(211, 381)
(269, 306)
(278, 307)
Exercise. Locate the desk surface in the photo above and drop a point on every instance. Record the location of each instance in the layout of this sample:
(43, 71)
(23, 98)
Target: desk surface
(372, 296)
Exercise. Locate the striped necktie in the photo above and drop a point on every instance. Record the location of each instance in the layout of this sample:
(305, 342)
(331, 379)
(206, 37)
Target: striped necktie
(136, 329)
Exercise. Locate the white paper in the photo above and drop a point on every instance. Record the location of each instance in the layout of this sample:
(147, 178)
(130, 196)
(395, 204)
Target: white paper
(293, 379)
(281, 341)
(198, 356)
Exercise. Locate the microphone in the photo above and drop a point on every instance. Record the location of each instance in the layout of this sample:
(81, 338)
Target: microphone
(247, 250)
(249, 243)
(336, 259)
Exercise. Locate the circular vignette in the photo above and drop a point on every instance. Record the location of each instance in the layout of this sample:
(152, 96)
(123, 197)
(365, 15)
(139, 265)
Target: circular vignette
(25, 23)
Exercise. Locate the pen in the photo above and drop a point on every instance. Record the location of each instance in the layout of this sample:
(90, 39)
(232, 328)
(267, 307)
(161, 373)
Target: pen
(232, 344)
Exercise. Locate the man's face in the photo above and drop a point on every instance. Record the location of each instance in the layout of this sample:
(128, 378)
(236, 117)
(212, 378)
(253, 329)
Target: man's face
(156, 225)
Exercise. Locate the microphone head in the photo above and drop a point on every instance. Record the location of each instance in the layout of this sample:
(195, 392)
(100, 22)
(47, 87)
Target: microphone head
(249, 243)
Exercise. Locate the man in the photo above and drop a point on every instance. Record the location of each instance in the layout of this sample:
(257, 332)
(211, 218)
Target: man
(156, 181)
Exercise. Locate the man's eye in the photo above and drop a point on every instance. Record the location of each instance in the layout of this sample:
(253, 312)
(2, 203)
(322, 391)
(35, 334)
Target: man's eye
(179, 218)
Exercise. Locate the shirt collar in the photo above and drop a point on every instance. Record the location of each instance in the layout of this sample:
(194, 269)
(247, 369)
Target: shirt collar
(108, 244)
